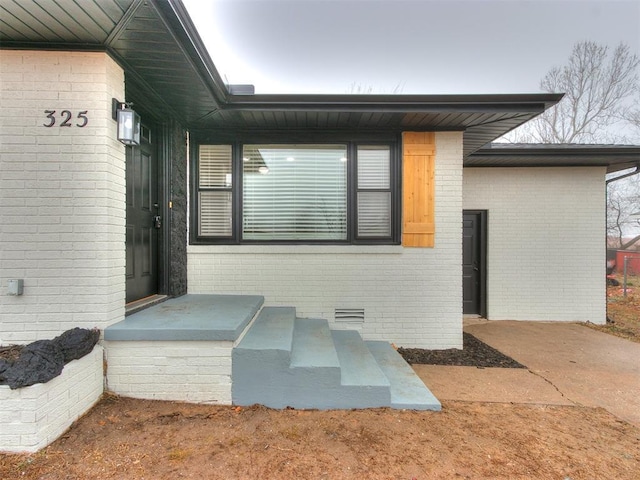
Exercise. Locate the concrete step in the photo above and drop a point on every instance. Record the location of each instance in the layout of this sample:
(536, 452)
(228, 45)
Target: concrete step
(313, 345)
(358, 366)
(272, 330)
(189, 317)
(407, 390)
(261, 357)
(287, 362)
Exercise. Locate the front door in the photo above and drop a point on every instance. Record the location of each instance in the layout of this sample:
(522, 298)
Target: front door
(142, 225)
(473, 262)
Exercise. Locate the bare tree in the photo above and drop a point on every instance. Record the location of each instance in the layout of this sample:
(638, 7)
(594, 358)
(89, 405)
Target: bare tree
(599, 87)
(623, 206)
(634, 116)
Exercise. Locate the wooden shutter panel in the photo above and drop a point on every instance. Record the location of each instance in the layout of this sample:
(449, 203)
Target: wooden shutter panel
(418, 189)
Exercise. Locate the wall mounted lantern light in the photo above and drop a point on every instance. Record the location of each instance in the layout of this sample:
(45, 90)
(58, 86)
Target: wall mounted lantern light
(128, 123)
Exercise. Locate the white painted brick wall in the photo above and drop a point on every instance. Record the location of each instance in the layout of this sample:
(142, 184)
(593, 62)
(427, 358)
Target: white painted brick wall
(411, 296)
(198, 372)
(33, 417)
(546, 241)
(62, 191)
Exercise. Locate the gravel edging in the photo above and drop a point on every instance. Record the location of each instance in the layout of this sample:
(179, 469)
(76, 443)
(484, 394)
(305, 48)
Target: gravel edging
(474, 353)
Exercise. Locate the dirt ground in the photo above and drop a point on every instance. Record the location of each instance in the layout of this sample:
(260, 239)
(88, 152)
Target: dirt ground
(141, 439)
(123, 438)
(623, 311)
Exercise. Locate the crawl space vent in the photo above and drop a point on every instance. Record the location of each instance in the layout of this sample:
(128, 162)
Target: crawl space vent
(349, 315)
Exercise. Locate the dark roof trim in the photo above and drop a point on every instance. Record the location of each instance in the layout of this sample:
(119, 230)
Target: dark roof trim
(396, 103)
(544, 149)
(176, 17)
(614, 157)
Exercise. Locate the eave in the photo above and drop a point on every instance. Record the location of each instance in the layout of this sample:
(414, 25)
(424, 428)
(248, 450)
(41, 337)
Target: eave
(614, 157)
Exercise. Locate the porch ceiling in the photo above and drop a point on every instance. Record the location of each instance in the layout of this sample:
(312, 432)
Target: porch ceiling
(166, 64)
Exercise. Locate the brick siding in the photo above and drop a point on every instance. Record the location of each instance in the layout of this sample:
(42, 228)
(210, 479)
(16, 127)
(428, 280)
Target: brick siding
(546, 241)
(180, 371)
(33, 417)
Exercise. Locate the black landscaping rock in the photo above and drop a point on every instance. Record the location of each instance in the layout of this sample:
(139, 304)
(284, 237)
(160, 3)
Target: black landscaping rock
(38, 362)
(77, 342)
(44, 360)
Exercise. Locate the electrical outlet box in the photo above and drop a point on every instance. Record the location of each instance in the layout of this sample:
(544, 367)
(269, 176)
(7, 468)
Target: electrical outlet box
(16, 287)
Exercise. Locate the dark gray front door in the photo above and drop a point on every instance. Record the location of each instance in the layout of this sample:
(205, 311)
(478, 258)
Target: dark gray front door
(473, 262)
(142, 207)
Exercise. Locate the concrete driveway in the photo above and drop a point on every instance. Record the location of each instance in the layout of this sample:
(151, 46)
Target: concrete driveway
(568, 364)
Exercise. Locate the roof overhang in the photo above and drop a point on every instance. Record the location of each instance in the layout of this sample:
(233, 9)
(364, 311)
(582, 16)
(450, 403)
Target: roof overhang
(614, 157)
(167, 66)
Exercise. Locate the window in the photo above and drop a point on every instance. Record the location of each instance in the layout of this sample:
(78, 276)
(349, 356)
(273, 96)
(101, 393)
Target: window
(374, 191)
(215, 191)
(294, 192)
(304, 193)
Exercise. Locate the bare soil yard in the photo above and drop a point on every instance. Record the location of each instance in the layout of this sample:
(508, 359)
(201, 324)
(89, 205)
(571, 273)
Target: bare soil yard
(623, 311)
(140, 439)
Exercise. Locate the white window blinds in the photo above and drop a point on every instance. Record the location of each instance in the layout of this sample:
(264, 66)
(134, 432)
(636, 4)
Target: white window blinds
(295, 192)
(374, 191)
(215, 191)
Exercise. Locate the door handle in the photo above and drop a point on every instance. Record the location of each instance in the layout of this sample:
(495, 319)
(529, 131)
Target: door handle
(157, 221)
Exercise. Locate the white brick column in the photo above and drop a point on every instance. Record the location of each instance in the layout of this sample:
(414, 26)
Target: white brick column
(62, 191)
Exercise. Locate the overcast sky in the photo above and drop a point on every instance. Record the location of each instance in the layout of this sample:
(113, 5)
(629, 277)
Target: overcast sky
(422, 46)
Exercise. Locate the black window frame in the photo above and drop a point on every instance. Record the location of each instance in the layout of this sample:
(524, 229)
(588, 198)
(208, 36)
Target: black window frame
(393, 142)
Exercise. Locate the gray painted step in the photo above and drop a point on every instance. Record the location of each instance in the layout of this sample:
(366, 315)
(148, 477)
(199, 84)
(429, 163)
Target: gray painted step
(189, 317)
(260, 361)
(313, 345)
(310, 374)
(287, 362)
(407, 390)
(272, 330)
(356, 362)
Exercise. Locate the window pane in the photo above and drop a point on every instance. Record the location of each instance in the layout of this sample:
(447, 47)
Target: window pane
(374, 214)
(373, 167)
(215, 214)
(215, 166)
(294, 192)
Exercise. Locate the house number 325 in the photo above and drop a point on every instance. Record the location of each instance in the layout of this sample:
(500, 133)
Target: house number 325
(66, 116)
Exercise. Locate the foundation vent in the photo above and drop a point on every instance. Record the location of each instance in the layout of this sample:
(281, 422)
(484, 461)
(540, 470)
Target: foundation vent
(354, 316)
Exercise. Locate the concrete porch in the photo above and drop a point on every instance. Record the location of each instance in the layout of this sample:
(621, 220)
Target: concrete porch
(230, 349)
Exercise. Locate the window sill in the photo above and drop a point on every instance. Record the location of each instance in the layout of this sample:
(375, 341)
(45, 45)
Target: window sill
(296, 249)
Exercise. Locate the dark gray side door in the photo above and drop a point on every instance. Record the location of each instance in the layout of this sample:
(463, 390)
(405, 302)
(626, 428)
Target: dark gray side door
(474, 262)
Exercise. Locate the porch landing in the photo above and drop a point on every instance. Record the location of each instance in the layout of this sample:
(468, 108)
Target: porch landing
(191, 318)
(228, 349)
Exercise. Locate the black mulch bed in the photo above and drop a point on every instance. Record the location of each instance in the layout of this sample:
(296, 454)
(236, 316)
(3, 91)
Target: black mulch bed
(474, 353)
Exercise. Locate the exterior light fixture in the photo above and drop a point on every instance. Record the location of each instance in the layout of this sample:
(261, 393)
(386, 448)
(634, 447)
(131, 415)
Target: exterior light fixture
(128, 124)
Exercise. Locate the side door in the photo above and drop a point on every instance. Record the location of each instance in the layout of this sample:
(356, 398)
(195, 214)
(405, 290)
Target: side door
(142, 228)
(474, 262)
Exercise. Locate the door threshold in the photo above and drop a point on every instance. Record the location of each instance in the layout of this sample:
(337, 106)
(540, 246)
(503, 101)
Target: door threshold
(143, 303)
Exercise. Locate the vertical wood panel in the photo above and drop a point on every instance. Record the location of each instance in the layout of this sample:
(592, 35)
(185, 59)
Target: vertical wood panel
(418, 187)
